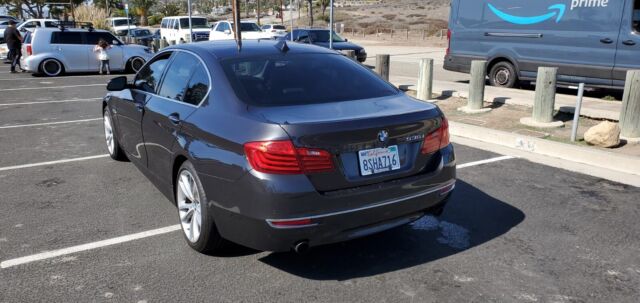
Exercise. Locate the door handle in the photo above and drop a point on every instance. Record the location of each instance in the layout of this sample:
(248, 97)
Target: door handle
(174, 118)
(606, 40)
(629, 42)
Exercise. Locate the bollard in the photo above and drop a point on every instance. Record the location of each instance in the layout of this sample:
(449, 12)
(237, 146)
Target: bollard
(156, 45)
(382, 66)
(407, 34)
(172, 42)
(425, 81)
(545, 100)
(630, 112)
(475, 103)
(351, 54)
(576, 113)
(163, 43)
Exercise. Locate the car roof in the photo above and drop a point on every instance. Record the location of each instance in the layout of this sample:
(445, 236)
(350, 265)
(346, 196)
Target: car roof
(226, 49)
(180, 17)
(55, 29)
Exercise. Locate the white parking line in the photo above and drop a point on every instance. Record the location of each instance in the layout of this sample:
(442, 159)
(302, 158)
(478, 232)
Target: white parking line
(50, 87)
(51, 101)
(52, 162)
(491, 160)
(56, 78)
(49, 123)
(88, 246)
(144, 234)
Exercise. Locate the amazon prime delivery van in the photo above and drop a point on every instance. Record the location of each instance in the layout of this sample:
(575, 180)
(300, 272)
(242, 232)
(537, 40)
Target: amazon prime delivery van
(590, 41)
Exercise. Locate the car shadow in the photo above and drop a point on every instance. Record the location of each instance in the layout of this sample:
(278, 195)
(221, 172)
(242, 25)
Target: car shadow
(471, 218)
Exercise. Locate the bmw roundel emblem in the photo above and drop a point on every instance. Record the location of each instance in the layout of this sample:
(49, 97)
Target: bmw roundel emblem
(383, 135)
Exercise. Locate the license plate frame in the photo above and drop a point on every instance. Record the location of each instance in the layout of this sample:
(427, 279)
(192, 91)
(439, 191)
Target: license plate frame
(378, 160)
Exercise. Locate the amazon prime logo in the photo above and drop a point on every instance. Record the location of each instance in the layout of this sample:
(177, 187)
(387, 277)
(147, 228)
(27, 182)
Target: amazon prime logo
(383, 135)
(555, 11)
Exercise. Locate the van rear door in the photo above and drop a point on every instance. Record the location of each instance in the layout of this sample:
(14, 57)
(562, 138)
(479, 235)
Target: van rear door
(628, 56)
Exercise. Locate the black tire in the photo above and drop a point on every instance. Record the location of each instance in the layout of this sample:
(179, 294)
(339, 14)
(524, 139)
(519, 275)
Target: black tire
(209, 241)
(503, 74)
(115, 151)
(135, 64)
(51, 67)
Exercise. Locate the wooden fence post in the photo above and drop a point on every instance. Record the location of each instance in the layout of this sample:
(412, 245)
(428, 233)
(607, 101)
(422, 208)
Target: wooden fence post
(425, 81)
(545, 100)
(630, 112)
(382, 66)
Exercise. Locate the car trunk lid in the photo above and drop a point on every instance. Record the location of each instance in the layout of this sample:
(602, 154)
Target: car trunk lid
(346, 128)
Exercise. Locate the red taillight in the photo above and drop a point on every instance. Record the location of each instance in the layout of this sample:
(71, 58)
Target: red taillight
(281, 157)
(291, 223)
(448, 41)
(437, 139)
(29, 50)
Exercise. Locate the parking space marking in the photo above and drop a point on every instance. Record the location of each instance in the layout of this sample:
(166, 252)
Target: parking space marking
(56, 78)
(88, 246)
(136, 236)
(486, 161)
(49, 123)
(51, 101)
(52, 162)
(51, 87)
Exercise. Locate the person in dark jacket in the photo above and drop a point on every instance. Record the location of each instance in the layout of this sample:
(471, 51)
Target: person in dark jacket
(14, 43)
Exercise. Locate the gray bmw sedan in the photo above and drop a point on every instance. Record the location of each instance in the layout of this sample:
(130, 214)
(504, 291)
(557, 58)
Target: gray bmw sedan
(278, 146)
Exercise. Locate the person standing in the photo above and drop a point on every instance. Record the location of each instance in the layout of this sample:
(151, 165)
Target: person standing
(103, 56)
(14, 43)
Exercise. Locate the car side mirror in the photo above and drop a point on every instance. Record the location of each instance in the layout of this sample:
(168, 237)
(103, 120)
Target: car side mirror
(346, 40)
(115, 42)
(227, 32)
(117, 84)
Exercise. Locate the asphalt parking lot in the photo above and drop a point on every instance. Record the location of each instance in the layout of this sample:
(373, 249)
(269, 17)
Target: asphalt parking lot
(515, 231)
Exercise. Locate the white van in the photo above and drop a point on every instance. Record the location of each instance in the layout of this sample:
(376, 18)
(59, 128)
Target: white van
(177, 29)
(120, 26)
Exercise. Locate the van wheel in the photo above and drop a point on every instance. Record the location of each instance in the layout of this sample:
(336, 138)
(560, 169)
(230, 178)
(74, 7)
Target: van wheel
(135, 64)
(51, 67)
(503, 74)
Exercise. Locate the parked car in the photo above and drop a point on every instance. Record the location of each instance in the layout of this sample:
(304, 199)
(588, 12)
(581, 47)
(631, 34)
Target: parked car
(177, 28)
(320, 37)
(4, 52)
(224, 30)
(143, 35)
(120, 26)
(594, 42)
(275, 30)
(31, 25)
(53, 51)
(327, 151)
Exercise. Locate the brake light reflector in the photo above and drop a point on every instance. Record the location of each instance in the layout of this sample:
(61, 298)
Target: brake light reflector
(437, 139)
(29, 50)
(291, 223)
(448, 41)
(281, 157)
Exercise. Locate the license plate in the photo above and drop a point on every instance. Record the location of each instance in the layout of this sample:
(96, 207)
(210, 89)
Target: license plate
(378, 160)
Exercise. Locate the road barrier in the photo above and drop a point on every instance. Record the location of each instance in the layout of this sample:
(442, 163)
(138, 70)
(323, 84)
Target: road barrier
(382, 66)
(545, 99)
(478, 76)
(425, 81)
(630, 112)
(163, 43)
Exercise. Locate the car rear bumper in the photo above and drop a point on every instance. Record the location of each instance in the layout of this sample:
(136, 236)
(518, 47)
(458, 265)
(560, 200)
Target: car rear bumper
(252, 222)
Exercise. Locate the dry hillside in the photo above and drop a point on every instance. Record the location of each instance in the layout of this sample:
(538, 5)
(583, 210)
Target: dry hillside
(398, 14)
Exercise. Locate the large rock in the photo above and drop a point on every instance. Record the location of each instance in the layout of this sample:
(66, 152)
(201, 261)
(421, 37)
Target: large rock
(605, 134)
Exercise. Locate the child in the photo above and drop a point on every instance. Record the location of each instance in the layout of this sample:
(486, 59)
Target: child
(103, 56)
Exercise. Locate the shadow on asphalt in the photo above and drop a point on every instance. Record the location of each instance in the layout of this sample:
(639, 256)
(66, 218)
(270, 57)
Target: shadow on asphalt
(471, 218)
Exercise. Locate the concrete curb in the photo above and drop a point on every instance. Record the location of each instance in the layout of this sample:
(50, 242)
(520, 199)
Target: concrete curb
(592, 157)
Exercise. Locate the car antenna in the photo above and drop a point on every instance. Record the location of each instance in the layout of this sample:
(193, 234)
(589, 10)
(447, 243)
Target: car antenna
(282, 46)
(236, 23)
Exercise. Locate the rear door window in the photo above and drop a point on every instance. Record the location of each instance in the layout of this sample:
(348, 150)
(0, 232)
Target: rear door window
(636, 16)
(198, 86)
(303, 79)
(149, 76)
(50, 24)
(66, 38)
(179, 73)
(94, 37)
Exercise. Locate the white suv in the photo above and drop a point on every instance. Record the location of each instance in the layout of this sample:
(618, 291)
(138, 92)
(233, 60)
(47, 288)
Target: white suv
(53, 51)
(31, 25)
(120, 26)
(275, 30)
(223, 30)
(177, 29)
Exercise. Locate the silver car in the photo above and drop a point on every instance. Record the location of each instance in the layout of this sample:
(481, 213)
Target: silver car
(53, 51)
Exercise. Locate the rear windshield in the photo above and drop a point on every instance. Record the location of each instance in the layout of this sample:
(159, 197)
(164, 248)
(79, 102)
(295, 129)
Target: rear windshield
(195, 23)
(279, 27)
(248, 27)
(281, 80)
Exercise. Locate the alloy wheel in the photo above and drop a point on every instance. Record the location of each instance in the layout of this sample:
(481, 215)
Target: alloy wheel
(189, 206)
(108, 133)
